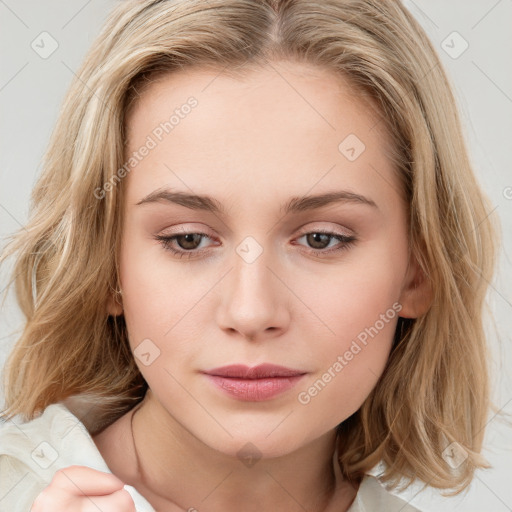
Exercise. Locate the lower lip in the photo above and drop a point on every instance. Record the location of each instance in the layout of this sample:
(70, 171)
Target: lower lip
(254, 390)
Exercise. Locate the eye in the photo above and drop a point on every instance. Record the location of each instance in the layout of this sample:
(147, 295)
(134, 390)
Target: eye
(319, 240)
(187, 243)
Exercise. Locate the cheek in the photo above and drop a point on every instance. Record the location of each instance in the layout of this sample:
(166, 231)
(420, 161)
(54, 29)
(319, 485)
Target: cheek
(165, 309)
(356, 294)
(360, 307)
(350, 364)
(155, 294)
(342, 386)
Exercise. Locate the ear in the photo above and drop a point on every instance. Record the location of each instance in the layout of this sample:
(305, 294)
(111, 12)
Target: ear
(114, 304)
(416, 296)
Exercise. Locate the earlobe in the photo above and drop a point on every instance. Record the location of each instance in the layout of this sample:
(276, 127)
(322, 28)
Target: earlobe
(417, 293)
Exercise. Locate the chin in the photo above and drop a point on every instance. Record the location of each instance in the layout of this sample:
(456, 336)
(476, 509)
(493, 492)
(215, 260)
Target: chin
(253, 443)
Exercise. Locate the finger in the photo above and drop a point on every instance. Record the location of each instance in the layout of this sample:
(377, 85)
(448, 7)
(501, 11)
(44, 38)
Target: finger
(80, 480)
(119, 501)
(60, 501)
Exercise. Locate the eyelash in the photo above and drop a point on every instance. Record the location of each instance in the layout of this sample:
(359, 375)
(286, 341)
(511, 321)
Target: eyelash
(347, 242)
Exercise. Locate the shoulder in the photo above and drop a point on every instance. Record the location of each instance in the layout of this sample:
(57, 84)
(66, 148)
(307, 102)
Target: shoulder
(373, 495)
(56, 438)
(31, 452)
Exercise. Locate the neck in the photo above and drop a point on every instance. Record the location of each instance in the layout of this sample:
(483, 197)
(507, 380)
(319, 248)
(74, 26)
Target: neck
(176, 471)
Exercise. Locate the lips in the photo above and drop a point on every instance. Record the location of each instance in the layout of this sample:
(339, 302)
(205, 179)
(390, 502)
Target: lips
(256, 372)
(255, 384)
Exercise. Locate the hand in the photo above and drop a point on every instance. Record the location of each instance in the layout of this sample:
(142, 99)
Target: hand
(83, 489)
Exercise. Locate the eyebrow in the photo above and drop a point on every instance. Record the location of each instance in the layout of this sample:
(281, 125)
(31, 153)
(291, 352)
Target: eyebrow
(294, 205)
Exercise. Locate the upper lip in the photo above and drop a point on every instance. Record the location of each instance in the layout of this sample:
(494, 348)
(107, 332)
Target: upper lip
(255, 372)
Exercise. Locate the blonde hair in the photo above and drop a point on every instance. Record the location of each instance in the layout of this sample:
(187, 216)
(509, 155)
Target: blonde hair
(67, 255)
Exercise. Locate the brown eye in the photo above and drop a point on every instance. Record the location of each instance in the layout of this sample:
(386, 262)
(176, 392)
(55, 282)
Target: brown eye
(318, 241)
(188, 242)
(184, 244)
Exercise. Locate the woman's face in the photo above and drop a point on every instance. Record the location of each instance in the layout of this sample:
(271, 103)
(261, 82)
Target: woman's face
(259, 282)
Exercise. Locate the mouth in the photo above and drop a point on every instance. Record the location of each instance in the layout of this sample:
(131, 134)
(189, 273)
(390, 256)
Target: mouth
(261, 371)
(254, 384)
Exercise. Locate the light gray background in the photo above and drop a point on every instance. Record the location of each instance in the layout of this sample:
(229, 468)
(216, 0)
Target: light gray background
(32, 88)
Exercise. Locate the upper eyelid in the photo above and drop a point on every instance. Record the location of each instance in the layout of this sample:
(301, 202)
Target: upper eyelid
(301, 232)
(331, 230)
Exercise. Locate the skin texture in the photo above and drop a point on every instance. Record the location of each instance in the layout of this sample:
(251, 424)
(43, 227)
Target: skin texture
(252, 143)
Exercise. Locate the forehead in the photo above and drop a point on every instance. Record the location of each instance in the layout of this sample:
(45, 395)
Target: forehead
(281, 125)
(310, 89)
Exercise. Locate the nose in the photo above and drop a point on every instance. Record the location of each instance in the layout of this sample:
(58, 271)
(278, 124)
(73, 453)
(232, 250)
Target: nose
(254, 301)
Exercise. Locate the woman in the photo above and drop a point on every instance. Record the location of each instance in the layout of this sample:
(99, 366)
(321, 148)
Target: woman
(254, 271)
